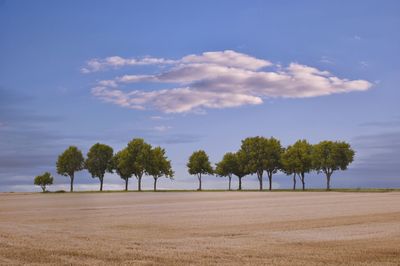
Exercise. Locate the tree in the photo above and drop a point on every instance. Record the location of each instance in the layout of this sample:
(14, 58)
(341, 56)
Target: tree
(297, 160)
(99, 160)
(121, 167)
(261, 154)
(44, 180)
(199, 164)
(288, 166)
(226, 166)
(69, 162)
(134, 160)
(159, 165)
(329, 156)
(240, 169)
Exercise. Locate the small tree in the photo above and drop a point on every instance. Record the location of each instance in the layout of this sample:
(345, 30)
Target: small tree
(69, 162)
(199, 164)
(226, 167)
(159, 165)
(261, 154)
(44, 180)
(329, 156)
(120, 165)
(99, 160)
(297, 159)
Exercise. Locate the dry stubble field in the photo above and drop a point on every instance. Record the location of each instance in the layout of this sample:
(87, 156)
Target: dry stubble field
(180, 228)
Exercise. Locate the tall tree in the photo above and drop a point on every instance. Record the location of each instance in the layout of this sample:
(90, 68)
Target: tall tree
(137, 159)
(329, 156)
(120, 164)
(44, 180)
(288, 166)
(261, 154)
(240, 169)
(159, 165)
(99, 160)
(226, 167)
(199, 164)
(297, 159)
(69, 162)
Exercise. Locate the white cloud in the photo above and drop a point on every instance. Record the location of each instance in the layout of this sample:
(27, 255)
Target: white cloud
(94, 65)
(220, 80)
(227, 58)
(162, 128)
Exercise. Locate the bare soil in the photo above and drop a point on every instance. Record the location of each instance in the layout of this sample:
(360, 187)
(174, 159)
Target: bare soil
(181, 228)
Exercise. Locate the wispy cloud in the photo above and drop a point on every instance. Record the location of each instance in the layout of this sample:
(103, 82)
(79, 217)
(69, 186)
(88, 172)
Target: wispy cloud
(326, 60)
(220, 80)
(162, 128)
(94, 65)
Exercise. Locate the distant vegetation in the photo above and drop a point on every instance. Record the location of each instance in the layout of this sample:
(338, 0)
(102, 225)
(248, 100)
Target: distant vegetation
(257, 155)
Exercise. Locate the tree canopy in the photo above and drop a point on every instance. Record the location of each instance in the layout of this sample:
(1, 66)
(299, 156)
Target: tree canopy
(261, 154)
(297, 159)
(330, 156)
(159, 165)
(227, 166)
(69, 162)
(135, 159)
(199, 164)
(44, 180)
(99, 161)
(121, 166)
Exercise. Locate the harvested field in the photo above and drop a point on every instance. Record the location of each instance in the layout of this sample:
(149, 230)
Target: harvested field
(180, 228)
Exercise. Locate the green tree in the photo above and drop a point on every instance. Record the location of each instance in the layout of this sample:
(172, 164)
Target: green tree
(297, 159)
(69, 162)
(136, 159)
(43, 180)
(240, 168)
(121, 166)
(199, 164)
(288, 166)
(329, 156)
(99, 160)
(226, 167)
(261, 154)
(159, 165)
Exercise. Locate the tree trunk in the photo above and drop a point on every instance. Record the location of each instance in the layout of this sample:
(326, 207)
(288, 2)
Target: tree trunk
(155, 184)
(101, 184)
(230, 179)
(240, 183)
(328, 181)
(303, 181)
(199, 177)
(43, 188)
(71, 188)
(294, 181)
(260, 179)
(270, 180)
(139, 183)
(126, 184)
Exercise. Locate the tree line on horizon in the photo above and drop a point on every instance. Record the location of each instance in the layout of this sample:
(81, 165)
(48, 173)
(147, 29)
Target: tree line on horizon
(257, 155)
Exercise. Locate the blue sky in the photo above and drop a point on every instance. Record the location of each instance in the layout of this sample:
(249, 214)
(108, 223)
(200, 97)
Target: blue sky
(198, 75)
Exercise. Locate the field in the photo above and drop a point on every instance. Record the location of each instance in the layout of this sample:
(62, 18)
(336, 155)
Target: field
(181, 228)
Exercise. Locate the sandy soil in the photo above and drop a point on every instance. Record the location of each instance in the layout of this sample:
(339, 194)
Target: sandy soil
(181, 228)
